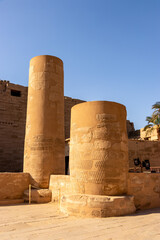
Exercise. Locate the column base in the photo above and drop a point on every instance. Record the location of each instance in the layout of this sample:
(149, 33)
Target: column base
(83, 205)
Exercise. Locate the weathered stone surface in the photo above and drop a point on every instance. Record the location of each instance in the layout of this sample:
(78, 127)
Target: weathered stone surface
(38, 195)
(44, 221)
(99, 148)
(13, 102)
(13, 122)
(12, 185)
(12, 130)
(59, 185)
(68, 104)
(44, 140)
(97, 206)
(144, 150)
(150, 133)
(145, 187)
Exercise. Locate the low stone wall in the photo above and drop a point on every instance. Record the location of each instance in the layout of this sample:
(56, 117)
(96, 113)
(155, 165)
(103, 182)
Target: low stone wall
(13, 185)
(59, 185)
(145, 187)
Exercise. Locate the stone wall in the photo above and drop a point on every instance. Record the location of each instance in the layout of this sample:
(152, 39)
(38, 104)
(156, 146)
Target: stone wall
(13, 185)
(13, 102)
(145, 187)
(68, 104)
(130, 126)
(59, 185)
(144, 150)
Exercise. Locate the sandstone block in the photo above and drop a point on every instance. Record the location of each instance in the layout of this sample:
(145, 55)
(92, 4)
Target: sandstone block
(97, 206)
(38, 195)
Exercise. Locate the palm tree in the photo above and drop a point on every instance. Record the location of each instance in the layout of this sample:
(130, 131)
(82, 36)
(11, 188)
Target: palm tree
(154, 119)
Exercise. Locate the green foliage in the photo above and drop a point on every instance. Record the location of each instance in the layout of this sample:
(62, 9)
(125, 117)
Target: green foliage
(155, 118)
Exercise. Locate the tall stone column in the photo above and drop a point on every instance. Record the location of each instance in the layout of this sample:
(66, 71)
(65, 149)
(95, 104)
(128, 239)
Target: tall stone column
(99, 148)
(44, 138)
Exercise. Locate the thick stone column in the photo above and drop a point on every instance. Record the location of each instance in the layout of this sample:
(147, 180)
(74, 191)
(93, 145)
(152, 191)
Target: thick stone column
(44, 139)
(99, 148)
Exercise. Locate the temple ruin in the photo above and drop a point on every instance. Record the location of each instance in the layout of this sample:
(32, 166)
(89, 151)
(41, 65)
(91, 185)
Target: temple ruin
(98, 161)
(104, 180)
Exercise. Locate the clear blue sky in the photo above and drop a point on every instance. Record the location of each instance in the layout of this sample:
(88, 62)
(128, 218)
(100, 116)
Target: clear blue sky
(110, 48)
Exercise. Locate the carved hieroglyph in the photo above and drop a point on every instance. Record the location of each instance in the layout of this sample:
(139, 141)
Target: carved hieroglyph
(99, 148)
(44, 139)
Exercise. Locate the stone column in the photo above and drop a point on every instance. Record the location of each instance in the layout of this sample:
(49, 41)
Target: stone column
(44, 139)
(99, 148)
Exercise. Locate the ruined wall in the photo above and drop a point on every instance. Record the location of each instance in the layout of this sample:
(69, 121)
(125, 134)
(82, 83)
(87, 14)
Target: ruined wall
(145, 187)
(12, 126)
(144, 150)
(13, 185)
(59, 185)
(68, 104)
(13, 104)
(150, 133)
(130, 126)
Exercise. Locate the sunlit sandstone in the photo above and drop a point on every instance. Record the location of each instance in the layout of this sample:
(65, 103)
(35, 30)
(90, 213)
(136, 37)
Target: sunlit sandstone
(44, 138)
(98, 162)
(99, 184)
(99, 148)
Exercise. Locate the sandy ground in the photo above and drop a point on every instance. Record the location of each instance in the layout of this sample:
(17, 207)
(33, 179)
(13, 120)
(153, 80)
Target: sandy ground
(45, 222)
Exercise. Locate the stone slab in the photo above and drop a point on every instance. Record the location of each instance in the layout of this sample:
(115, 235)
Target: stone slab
(82, 205)
(13, 185)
